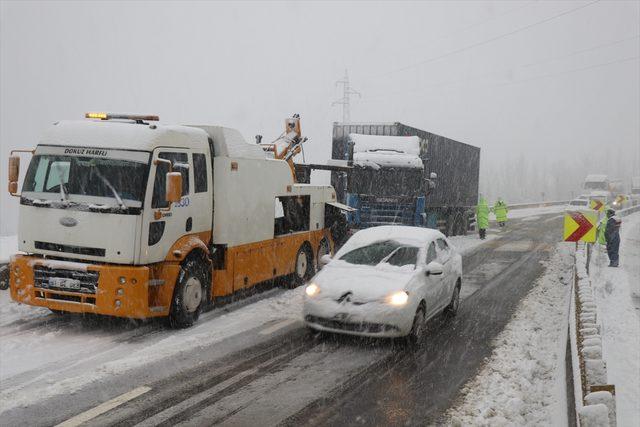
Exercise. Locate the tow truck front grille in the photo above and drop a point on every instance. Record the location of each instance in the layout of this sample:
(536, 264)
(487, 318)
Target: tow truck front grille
(85, 282)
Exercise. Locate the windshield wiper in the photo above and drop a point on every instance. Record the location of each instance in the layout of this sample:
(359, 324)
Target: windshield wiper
(64, 195)
(112, 188)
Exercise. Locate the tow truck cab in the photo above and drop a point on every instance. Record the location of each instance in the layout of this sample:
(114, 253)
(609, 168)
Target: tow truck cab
(110, 210)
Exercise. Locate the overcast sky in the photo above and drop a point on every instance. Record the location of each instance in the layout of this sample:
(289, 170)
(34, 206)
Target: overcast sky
(541, 78)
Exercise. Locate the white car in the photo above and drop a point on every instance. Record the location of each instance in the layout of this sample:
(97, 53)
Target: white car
(385, 282)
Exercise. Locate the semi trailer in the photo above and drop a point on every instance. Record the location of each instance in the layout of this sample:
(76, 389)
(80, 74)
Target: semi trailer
(403, 175)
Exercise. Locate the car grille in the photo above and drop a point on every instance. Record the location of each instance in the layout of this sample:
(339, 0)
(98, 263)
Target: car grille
(84, 281)
(351, 326)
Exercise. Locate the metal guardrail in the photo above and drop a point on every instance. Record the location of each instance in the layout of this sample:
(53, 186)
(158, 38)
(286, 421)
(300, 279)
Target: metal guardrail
(538, 204)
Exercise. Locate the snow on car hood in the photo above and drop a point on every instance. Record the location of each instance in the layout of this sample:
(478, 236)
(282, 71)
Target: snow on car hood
(368, 283)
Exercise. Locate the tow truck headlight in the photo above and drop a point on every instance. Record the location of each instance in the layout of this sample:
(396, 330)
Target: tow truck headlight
(122, 280)
(312, 290)
(398, 299)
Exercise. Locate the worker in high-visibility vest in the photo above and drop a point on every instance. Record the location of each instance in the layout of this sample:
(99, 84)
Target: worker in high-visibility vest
(482, 217)
(500, 210)
(600, 231)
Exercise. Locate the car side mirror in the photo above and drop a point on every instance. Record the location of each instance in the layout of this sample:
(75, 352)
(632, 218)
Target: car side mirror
(433, 175)
(324, 260)
(434, 269)
(174, 187)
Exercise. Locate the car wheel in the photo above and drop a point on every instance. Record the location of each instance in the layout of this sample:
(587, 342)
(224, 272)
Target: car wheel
(454, 305)
(304, 266)
(189, 295)
(418, 330)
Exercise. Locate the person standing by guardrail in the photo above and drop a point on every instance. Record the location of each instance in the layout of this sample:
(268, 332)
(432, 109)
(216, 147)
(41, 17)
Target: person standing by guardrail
(482, 217)
(500, 210)
(612, 235)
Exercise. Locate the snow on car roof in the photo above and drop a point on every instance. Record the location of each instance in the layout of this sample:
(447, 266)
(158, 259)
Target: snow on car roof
(412, 236)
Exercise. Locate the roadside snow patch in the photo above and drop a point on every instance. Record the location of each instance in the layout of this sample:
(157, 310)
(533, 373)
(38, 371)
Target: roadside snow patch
(522, 383)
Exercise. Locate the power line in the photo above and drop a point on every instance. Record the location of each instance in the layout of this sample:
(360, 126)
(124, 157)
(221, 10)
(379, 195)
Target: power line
(577, 52)
(459, 82)
(490, 40)
(544, 76)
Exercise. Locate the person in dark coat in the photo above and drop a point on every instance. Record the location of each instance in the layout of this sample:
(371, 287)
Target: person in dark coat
(612, 234)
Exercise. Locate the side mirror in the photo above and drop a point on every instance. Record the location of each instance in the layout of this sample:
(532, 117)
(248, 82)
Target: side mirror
(433, 175)
(14, 173)
(434, 269)
(174, 187)
(324, 260)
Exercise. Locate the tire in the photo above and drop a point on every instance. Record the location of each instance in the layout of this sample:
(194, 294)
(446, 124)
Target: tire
(418, 330)
(189, 294)
(452, 309)
(303, 269)
(4, 277)
(323, 249)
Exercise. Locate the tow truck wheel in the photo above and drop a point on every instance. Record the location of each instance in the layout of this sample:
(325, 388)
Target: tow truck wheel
(4, 277)
(189, 295)
(304, 266)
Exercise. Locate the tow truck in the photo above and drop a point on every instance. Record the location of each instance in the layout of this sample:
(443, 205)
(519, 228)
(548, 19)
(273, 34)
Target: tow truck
(123, 216)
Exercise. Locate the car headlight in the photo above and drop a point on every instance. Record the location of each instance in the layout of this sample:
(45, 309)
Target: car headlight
(398, 298)
(312, 290)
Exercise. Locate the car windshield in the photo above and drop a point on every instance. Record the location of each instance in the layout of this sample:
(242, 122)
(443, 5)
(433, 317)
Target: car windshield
(390, 251)
(86, 176)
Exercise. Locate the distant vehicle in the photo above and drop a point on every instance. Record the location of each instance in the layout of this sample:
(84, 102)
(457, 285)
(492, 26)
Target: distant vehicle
(385, 282)
(580, 201)
(405, 176)
(635, 189)
(127, 218)
(598, 187)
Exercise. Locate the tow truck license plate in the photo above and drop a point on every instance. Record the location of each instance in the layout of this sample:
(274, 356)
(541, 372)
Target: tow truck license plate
(64, 283)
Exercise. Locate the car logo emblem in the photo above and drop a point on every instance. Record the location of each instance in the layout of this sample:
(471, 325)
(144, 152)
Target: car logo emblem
(341, 317)
(345, 298)
(68, 222)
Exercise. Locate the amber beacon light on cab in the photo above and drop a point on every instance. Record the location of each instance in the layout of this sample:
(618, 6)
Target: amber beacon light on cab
(122, 216)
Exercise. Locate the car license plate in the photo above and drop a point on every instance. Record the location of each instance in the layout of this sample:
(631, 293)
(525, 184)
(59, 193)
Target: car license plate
(64, 283)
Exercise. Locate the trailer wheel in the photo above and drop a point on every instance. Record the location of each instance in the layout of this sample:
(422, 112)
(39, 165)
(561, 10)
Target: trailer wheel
(303, 267)
(190, 293)
(323, 249)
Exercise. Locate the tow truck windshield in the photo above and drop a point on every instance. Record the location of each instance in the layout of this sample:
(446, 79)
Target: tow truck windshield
(115, 179)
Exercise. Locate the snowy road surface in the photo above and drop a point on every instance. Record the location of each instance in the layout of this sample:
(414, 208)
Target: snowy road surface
(254, 362)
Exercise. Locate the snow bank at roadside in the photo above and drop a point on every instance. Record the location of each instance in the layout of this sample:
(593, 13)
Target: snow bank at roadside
(620, 317)
(522, 383)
